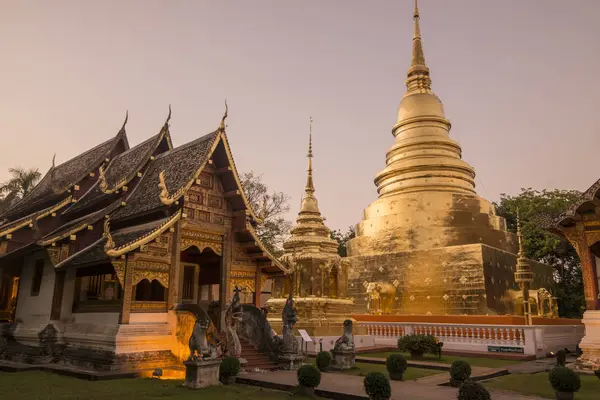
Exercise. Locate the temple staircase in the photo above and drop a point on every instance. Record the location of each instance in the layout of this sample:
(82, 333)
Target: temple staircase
(254, 358)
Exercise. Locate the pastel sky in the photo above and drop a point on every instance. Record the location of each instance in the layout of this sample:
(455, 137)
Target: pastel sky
(519, 80)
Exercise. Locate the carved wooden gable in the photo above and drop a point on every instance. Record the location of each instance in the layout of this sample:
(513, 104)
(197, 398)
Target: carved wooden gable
(204, 201)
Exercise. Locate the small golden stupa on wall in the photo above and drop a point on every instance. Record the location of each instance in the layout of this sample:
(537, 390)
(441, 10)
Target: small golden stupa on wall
(317, 274)
(429, 244)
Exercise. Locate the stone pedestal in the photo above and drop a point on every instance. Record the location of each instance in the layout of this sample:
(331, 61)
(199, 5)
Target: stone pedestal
(590, 344)
(321, 316)
(290, 361)
(201, 374)
(342, 359)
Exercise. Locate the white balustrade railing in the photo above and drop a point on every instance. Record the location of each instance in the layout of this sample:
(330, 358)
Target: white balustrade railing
(534, 340)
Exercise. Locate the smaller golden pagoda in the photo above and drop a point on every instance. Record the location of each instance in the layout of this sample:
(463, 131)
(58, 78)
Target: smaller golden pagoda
(317, 275)
(523, 274)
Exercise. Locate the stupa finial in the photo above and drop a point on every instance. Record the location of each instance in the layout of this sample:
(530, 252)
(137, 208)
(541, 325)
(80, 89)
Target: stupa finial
(310, 187)
(520, 235)
(418, 74)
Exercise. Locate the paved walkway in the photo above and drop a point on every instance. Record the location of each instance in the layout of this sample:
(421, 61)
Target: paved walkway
(332, 383)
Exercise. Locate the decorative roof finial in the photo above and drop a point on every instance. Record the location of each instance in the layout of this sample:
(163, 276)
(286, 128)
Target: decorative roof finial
(53, 160)
(222, 125)
(126, 119)
(102, 178)
(164, 195)
(110, 243)
(418, 73)
(168, 116)
(310, 187)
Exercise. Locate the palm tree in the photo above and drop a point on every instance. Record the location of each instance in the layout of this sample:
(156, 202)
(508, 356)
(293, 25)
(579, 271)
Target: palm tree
(17, 187)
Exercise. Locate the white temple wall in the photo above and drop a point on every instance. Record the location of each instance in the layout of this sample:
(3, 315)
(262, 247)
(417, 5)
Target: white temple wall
(33, 310)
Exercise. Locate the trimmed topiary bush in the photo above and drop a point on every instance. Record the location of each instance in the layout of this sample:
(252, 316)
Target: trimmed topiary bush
(230, 367)
(564, 380)
(324, 360)
(377, 386)
(396, 364)
(417, 344)
(309, 376)
(470, 390)
(460, 371)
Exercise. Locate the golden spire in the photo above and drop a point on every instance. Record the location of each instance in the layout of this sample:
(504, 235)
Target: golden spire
(418, 73)
(520, 236)
(310, 187)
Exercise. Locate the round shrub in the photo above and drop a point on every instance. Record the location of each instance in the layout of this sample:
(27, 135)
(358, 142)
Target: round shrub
(417, 344)
(460, 370)
(230, 366)
(396, 363)
(323, 360)
(563, 380)
(309, 376)
(473, 391)
(377, 386)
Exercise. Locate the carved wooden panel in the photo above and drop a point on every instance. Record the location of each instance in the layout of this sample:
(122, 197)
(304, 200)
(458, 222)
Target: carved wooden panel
(202, 216)
(189, 212)
(196, 197)
(205, 180)
(218, 219)
(215, 201)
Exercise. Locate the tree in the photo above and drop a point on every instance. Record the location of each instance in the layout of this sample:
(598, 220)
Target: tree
(545, 247)
(271, 207)
(342, 239)
(17, 187)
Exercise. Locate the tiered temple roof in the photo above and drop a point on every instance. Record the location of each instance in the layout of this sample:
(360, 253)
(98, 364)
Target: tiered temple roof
(139, 191)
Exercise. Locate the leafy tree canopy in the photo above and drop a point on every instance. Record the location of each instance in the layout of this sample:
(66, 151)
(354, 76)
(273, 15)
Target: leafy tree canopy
(271, 207)
(342, 238)
(21, 182)
(545, 247)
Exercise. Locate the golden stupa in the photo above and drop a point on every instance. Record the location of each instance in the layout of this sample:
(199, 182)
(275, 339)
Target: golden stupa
(429, 244)
(317, 274)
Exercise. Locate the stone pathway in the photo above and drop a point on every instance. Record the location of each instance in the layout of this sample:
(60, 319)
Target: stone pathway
(477, 373)
(533, 367)
(411, 363)
(352, 386)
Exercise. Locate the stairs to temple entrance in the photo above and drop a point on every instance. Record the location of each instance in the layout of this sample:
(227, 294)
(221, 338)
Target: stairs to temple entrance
(254, 358)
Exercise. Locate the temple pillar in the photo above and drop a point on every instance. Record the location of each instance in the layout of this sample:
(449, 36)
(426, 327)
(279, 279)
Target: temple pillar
(588, 268)
(195, 287)
(225, 272)
(68, 293)
(175, 275)
(257, 287)
(57, 296)
(127, 293)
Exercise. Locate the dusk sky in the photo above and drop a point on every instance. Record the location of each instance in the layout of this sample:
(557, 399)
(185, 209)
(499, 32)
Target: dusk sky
(519, 80)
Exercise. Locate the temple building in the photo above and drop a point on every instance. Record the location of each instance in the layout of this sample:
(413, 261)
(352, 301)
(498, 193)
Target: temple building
(93, 258)
(316, 275)
(429, 244)
(580, 225)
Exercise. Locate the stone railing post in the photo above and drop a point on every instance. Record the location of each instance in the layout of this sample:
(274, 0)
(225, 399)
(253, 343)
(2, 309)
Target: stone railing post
(531, 340)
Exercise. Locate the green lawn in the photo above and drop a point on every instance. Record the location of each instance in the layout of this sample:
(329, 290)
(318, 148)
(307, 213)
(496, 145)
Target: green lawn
(43, 385)
(362, 369)
(448, 359)
(538, 385)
